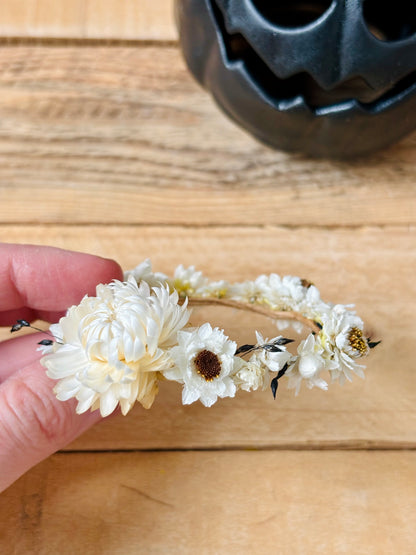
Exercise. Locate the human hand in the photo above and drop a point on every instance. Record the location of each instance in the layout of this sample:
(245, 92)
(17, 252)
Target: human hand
(38, 283)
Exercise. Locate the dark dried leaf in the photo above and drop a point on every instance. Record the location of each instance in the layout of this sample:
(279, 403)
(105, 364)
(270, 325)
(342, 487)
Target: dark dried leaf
(274, 385)
(244, 349)
(45, 342)
(272, 348)
(19, 325)
(373, 344)
(283, 341)
(282, 371)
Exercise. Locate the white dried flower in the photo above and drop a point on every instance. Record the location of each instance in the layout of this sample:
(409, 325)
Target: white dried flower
(343, 340)
(251, 375)
(274, 360)
(204, 363)
(279, 293)
(187, 281)
(110, 347)
(268, 356)
(246, 292)
(143, 272)
(214, 289)
(307, 365)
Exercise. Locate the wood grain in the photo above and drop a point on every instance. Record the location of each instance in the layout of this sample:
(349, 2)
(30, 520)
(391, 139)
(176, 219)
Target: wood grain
(374, 268)
(219, 502)
(88, 19)
(94, 135)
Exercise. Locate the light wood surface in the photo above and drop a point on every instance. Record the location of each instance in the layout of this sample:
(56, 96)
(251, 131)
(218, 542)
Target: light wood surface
(87, 19)
(215, 502)
(113, 149)
(131, 124)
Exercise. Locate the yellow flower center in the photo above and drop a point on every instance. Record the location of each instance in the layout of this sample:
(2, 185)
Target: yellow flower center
(183, 288)
(207, 365)
(357, 341)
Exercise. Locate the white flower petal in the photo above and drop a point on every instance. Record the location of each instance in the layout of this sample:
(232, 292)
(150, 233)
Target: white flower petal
(308, 365)
(108, 402)
(189, 395)
(86, 399)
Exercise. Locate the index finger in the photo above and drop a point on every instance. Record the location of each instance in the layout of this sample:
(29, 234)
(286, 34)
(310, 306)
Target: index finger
(48, 279)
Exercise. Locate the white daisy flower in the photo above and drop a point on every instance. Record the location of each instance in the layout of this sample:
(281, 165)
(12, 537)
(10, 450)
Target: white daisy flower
(204, 364)
(110, 347)
(343, 340)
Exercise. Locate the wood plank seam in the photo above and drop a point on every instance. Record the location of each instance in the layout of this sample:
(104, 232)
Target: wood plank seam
(373, 446)
(84, 42)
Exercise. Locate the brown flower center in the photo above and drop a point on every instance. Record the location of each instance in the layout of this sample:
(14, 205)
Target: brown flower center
(207, 365)
(357, 341)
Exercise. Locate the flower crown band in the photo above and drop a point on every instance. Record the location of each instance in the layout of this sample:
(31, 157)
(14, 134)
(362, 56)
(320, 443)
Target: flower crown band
(114, 349)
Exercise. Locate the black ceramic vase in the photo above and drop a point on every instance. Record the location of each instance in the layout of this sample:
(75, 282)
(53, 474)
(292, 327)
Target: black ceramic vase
(327, 78)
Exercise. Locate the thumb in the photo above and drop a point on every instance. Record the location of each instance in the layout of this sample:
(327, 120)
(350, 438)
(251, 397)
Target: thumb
(33, 423)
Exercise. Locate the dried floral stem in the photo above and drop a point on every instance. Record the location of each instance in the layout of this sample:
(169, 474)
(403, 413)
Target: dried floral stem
(272, 314)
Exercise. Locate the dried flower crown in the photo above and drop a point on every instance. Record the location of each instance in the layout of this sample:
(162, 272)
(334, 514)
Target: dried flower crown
(114, 348)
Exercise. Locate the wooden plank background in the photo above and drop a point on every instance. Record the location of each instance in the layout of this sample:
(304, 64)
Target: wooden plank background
(107, 145)
(117, 20)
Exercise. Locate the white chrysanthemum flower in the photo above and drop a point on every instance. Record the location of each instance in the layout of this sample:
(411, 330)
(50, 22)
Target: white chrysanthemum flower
(343, 340)
(110, 347)
(204, 364)
(307, 365)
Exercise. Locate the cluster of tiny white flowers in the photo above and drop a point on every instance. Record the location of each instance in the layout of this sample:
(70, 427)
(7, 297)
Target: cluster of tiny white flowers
(114, 348)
